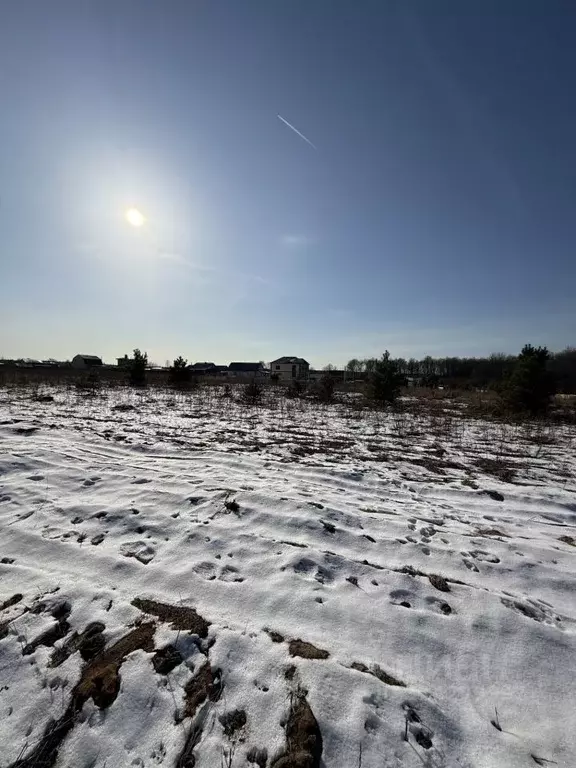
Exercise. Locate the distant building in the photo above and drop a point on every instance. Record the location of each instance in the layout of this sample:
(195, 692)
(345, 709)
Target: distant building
(337, 374)
(123, 362)
(202, 367)
(208, 369)
(290, 368)
(86, 361)
(246, 370)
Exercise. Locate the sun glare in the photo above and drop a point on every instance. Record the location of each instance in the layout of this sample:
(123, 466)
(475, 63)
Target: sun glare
(134, 217)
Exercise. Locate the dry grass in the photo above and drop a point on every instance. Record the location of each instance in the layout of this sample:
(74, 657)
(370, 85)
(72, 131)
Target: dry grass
(378, 673)
(180, 616)
(303, 737)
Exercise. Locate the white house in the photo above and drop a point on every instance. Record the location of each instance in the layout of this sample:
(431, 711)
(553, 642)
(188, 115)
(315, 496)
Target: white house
(290, 368)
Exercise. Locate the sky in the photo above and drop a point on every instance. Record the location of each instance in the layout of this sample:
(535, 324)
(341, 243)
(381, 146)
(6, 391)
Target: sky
(427, 208)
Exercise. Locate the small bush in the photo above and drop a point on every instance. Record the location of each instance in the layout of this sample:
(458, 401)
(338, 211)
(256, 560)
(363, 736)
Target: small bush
(137, 369)
(385, 381)
(252, 393)
(530, 387)
(323, 390)
(180, 376)
(295, 389)
(89, 383)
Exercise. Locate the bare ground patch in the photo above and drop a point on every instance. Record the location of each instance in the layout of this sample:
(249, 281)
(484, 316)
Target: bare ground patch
(303, 737)
(306, 650)
(181, 617)
(438, 582)
(379, 673)
(90, 642)
(11, 601)
(100, 681)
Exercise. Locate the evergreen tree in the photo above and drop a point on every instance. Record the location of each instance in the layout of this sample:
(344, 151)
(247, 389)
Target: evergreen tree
(138, 369)
(180, 375)
(385, 381)
(531, 386)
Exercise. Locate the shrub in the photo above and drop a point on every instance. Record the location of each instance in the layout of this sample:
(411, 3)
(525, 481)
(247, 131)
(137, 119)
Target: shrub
(180, 376)
(531, 386)
(252, 393)
(295, 389)
(90, 382)
(385, 381)
(323, 390)
(137, 369)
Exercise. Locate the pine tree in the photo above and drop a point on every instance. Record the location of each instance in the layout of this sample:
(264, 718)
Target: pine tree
(180, 375)
(385, 381)
(531, 386)
(138, 369)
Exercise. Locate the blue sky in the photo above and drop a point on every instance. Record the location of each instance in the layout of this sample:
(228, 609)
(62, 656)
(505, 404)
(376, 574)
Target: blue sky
(435, 215)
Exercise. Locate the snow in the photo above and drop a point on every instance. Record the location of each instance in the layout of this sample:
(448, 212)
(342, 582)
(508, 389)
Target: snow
(320, 523)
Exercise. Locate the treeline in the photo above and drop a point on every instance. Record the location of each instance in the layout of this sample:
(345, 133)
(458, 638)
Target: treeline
(473, 372)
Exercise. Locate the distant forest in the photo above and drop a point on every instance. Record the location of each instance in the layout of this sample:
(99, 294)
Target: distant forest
(474, 372)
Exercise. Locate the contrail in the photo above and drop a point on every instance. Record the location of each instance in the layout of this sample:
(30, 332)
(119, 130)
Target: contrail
(296, 131)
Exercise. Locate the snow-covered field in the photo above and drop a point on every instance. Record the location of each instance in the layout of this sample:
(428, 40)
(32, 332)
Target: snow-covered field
(367, 589)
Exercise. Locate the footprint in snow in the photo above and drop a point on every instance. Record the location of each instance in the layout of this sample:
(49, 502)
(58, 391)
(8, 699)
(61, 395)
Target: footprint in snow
(138, 549)
(206, 570)
(532, 609)
(229, 573)
(482, 555)
(406, 599)
(401, 597)
(441, 606)
(308, 567)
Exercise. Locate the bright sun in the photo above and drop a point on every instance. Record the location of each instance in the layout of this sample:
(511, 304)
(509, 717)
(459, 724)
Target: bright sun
(134, 217)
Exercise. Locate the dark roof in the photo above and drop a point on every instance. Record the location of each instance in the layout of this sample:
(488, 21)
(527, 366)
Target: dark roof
(93, 358)
(293, 360)
(245, 367)
(202, 365)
